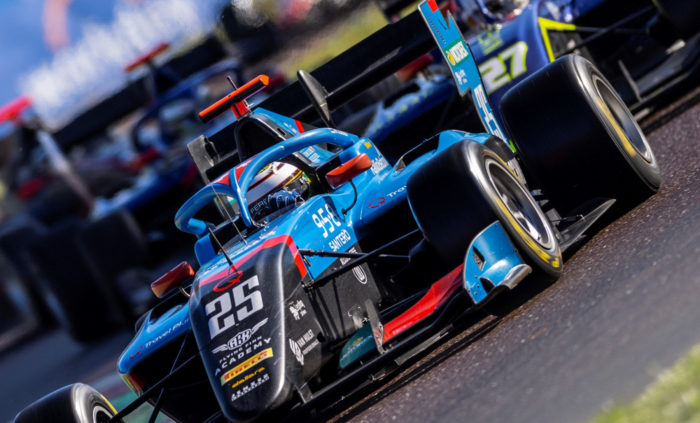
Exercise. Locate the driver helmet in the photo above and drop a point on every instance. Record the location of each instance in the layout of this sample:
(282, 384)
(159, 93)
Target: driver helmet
(275, 187)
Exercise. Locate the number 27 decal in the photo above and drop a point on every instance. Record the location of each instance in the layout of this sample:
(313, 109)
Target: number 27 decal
(494, 72)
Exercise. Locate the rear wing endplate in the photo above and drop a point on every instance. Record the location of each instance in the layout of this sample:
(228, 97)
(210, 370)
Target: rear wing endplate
(460, 60)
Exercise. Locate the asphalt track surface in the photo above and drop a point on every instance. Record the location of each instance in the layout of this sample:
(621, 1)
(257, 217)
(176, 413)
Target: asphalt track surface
(626, 306)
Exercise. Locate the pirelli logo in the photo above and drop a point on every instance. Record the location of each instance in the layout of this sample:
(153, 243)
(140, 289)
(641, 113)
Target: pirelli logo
(246, 365)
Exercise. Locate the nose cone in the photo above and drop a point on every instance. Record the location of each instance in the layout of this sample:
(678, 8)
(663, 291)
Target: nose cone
(238, 320)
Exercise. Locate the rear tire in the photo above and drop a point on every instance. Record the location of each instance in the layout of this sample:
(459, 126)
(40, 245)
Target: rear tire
(483, 190)
(77, 403)
(579, 141)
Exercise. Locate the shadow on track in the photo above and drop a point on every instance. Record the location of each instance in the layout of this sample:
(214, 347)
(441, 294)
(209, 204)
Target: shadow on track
(399, 377)
(657, 120)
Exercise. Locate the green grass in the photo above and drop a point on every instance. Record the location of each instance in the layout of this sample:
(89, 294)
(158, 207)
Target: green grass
(673, 398)
(329, 43)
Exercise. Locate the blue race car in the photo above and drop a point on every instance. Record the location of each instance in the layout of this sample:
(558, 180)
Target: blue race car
(321, 264)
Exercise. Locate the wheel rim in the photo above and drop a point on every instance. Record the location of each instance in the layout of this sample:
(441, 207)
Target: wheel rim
(101, 414)
(622, 119)
(520, 205)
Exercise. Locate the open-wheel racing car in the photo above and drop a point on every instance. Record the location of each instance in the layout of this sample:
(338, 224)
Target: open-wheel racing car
(321, 263)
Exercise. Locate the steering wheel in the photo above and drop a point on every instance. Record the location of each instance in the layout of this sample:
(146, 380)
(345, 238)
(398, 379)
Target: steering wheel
(184, 218)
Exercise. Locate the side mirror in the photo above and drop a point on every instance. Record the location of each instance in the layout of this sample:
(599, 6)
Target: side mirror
(173, 278)
(318, 96)
(348, 170)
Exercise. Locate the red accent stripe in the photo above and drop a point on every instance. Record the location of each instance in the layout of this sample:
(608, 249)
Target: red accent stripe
(226, 180)
(438, 293)
(300, 127)
(286, 239)
(239, 109)
(433, 5)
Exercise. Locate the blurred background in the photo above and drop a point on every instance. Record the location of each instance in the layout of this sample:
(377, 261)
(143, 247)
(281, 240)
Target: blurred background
(100, 99)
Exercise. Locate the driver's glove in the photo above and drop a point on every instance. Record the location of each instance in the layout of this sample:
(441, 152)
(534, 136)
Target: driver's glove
(282, 199)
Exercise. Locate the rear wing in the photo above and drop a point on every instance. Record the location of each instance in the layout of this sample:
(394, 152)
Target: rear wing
(358, 68)
(459, 58)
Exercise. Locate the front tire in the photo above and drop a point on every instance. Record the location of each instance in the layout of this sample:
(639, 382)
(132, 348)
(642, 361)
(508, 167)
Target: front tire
(577, 139)
(465, 188)
(77, 403)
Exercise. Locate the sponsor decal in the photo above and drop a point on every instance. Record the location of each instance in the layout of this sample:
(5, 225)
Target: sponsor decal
(136, 353)
(378, 165)
(377, 202)
(310, 347)
(311, 154)
(357, 271)
(246, 365)
(339, 240)
(296, 350)
(381, 200)
(490, 41)
(240, 339)
(360, 274)
(247, 377)
(457, 52)
(228, 282)
(158, 339)
(231, 358)
(307, 342)
(254, 384)
(298, 309)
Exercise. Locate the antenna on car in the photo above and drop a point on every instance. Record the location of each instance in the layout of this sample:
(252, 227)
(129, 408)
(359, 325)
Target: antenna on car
(221, 247)
(221, 205)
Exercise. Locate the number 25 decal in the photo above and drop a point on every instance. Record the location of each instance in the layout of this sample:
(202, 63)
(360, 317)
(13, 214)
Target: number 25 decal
(494, 72)
(244, 296)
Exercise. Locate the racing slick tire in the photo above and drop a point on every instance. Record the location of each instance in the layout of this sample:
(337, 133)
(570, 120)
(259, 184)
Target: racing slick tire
(683, 15)
(578, 141)
(77, 403)
(464, 189)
